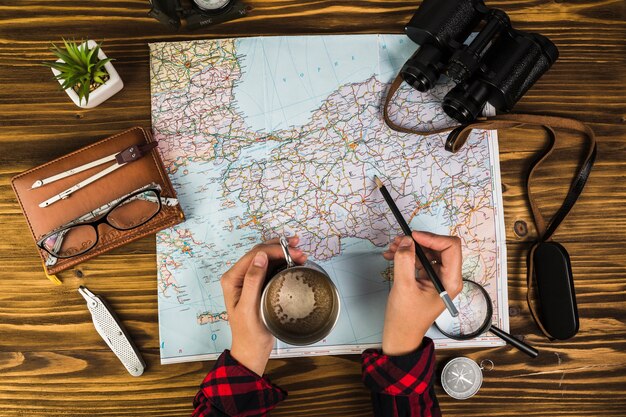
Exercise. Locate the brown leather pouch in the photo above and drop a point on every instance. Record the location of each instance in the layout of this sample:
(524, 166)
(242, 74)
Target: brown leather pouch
(128, 178)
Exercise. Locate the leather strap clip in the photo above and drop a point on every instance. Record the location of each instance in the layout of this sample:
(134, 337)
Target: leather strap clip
(457, 138)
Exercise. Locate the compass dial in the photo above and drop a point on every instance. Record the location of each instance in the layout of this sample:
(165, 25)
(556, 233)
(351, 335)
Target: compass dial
(212, 5)
(461, 378)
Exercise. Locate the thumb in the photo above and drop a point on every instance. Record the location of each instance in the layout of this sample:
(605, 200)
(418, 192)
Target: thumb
(253, 281)
(404, 261)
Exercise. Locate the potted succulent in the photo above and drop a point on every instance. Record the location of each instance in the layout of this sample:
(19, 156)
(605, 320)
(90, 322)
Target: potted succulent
(85, 73)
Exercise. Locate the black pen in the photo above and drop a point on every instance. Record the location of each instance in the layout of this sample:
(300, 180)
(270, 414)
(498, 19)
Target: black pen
(418, 250)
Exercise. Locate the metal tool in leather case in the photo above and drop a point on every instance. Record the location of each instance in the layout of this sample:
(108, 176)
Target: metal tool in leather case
(110, 329)
(127, 156)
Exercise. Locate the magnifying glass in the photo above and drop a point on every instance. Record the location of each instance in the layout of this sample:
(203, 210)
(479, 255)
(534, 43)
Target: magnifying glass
(474, 319)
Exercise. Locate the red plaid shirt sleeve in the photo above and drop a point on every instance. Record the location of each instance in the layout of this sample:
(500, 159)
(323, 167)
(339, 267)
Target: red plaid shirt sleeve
(402, 386)
(231, 389)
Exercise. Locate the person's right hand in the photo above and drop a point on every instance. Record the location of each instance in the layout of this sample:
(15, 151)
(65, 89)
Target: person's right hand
(414, 303)
(242, 285)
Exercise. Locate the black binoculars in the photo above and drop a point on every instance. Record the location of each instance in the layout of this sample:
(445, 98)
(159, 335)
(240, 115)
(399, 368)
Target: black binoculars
(498, 66)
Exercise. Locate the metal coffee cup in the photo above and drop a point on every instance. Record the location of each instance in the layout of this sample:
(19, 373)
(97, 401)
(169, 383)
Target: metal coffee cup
(300, 304)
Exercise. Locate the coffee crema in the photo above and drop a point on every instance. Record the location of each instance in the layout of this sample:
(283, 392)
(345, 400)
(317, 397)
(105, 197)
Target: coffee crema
(300, 302)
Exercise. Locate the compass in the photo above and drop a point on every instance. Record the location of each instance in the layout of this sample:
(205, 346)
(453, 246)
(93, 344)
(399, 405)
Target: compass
(461, 378)
(197, 14)
(212, 6)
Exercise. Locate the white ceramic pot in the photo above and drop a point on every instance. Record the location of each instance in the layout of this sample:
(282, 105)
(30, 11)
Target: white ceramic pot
(102, 93)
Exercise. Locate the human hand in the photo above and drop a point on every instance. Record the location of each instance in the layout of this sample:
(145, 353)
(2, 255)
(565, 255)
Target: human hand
(242, 286)
(414, 303)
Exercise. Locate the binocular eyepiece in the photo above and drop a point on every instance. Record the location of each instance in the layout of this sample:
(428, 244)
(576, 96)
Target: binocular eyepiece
(498, 66)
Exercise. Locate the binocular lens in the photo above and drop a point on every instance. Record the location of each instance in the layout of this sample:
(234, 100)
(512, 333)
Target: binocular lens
(456, 110)
(422, 70)
(465, 104)
(417, 81)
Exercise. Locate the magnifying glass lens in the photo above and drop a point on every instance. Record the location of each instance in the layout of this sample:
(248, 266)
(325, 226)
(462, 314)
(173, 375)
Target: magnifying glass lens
(474, 317)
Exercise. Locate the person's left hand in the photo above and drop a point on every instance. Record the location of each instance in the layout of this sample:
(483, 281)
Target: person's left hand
(242, 286)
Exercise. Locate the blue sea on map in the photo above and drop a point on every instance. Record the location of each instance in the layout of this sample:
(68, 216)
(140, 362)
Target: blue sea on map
(301, 77)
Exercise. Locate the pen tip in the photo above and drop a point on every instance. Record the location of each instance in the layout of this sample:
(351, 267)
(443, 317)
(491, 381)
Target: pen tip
(378, 182)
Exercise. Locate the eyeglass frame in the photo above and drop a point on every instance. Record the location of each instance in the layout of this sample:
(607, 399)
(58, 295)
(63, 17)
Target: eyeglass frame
(101, 219)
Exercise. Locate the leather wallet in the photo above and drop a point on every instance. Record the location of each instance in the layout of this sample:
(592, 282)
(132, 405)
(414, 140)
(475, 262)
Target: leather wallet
(128, 178)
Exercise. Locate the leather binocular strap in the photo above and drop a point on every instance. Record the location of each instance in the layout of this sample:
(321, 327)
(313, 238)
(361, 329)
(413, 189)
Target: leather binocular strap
(390, 95)
(544, 230)
(459, 134)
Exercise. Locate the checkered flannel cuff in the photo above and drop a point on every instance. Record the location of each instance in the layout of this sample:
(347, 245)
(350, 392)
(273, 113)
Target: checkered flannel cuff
(399, 375)
(236, 391)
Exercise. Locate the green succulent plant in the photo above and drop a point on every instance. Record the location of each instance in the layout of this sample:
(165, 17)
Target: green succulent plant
(80, 69)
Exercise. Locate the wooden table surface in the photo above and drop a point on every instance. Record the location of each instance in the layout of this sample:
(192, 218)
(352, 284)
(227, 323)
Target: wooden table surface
(53, 363)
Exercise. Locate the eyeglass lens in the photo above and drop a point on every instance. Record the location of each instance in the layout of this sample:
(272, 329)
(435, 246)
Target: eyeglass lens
(130, 213)
(134, 211)
(72, 241)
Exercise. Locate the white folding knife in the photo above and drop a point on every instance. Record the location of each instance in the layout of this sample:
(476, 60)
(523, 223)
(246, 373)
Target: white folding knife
(110, 329)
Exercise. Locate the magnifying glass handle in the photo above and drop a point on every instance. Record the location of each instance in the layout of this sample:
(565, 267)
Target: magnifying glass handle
(527, 349)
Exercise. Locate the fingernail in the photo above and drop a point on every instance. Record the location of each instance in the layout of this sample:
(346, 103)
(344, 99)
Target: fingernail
(406, 242)
(260, 259)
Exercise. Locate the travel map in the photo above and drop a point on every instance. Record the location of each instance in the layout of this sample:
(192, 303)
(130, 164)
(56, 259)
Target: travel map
(283, 135)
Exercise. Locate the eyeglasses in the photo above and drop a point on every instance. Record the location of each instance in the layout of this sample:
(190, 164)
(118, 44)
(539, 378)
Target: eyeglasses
(126, 213)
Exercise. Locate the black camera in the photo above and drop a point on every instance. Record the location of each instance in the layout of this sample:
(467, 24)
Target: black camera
(196, 14)
(498, 66)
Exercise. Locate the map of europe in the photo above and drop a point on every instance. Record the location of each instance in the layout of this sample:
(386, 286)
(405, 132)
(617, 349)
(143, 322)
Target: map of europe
(273, 136)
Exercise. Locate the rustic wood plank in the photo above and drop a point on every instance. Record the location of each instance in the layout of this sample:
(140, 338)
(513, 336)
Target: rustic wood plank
(52, 362)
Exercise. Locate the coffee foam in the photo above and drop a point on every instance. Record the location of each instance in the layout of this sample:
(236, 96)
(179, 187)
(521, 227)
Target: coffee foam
(300, 301)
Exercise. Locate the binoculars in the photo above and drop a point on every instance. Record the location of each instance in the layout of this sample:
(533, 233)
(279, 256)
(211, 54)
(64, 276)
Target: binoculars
(497, 66)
